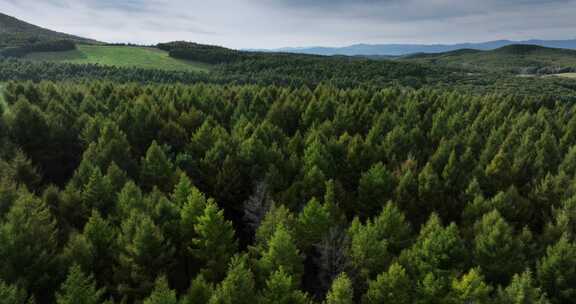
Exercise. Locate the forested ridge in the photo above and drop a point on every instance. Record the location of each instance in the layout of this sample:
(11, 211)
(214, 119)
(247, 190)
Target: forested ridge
(208, 193)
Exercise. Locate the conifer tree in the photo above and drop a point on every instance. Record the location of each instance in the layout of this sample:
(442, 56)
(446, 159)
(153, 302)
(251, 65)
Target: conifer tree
(393, 286)
(79, 288)
(215, 242)
(156, 169)
(282, 253)
(28, 235)
(281, 288)
(200, 291)
(144, 252)
(471, 288)
(375, 188)
(496, 249)
(522, 290)
(312, 224)
(341, 291)
(11, 294)
(161, 294)
(556, 271)
(238, 287)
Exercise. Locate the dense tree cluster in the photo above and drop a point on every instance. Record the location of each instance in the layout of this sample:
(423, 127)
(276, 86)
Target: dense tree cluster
(114, 193)
(47, 46)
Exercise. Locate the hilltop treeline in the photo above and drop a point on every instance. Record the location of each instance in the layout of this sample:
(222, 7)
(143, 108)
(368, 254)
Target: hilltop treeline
(264, 194)
(48, 46)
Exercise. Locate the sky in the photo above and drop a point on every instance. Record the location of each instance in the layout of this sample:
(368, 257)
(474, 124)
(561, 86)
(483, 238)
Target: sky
(272, 24)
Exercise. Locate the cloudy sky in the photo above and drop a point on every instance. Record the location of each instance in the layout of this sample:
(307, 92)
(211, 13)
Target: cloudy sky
(281, 23)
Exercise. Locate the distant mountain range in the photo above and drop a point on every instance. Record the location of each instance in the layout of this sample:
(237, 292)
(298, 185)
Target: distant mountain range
(406, 49)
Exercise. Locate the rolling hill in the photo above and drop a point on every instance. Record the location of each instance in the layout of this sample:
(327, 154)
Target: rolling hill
(520, 59)
(15, 32)
(121, 56)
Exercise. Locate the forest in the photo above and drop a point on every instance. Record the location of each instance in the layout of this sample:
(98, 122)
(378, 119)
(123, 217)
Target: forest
(141, 192)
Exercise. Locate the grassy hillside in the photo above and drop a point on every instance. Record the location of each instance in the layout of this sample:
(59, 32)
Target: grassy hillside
(523, 59)
(121, 56)
(15, 32)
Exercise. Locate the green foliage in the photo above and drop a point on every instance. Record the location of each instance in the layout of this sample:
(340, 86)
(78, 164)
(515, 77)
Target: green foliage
(393, 286)
(282, 288)
(238, 286)
(215, 242)
(522, 290)
(161, 294)
(282, 253)
(341, 291)
(79, 288)
(556, 271)
(471, 288)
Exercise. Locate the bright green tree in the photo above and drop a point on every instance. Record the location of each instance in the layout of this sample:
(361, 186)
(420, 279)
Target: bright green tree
(393, 286)
(522, 290)
(282, 253)
(341, 292)
(281, 288)
(79, 288)
(238, 287)
(215, 242)
(156, 169)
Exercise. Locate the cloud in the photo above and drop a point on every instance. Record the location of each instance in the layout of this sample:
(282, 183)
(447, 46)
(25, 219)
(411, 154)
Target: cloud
(278, 23)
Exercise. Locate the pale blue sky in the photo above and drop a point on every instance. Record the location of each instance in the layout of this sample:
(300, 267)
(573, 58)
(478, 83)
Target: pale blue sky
(281, 23)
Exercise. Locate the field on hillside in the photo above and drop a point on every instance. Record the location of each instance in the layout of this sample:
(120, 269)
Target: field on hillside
(121, 56)
(566, 75)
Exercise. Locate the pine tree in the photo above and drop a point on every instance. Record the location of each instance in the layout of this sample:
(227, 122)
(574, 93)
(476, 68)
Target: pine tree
(375, 188)
(156, 169)
(29, 244)
(144, 252)
(341, 291)
(282, 253)
(79, 288)
(238, 287)
(471, 288)
(182, 190)
(11, 294)
(161, 294)
(522, 290)
(281, 288)
(556, 271)
(277, 216)
(312, 224)
(496, 250)
(215, 242)
(393, 286)
(200, 291)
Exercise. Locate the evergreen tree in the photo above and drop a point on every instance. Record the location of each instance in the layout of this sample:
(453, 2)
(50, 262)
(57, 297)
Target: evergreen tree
(281, 288)
(471, 288)
(161, 294)
(556, 271)
(79, 288)
(312, 224)
(215, 242)
(144, 252)
(200, 291)
(238, 287)
(11, 294)
(375, 188)
(28, 252)
(341, 291)
(282, 253)
(393, 286)
(496, 250)
(522, 290)
(156, 169)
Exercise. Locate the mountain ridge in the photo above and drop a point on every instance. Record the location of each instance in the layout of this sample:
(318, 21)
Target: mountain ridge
(363, 49)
